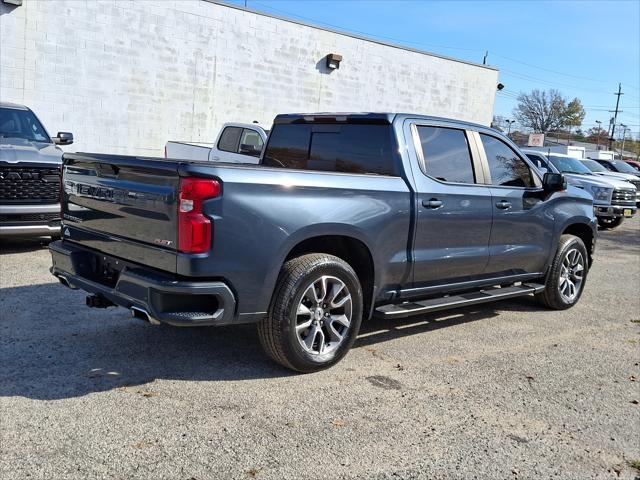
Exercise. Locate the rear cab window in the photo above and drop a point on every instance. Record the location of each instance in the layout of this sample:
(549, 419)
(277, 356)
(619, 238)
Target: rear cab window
(333, 147)
(230, 139)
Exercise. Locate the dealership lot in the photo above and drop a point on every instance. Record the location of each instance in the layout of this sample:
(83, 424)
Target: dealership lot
(506, 390)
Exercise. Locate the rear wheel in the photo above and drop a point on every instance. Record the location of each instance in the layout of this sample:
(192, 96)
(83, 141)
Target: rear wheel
(315, 313)
(567, 274)
(610, 222)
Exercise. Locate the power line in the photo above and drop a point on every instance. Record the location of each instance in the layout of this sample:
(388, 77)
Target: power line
(359, 32)
(400, 40)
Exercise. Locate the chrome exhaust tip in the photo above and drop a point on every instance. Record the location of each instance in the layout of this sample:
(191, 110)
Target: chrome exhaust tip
(141, 313)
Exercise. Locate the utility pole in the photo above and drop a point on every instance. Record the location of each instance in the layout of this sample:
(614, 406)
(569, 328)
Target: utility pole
(615, 116)
(484, 60)
(598, 136)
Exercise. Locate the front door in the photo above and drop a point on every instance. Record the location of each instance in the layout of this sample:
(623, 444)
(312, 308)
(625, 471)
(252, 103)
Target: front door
(454, 209)
(522, 228)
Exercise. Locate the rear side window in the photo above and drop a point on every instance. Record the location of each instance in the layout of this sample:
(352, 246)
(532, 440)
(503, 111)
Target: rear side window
(230, 139)
(349, 148)
(506, 167)
(446, 154)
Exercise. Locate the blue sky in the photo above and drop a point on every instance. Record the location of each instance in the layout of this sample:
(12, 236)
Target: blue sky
(582, 48)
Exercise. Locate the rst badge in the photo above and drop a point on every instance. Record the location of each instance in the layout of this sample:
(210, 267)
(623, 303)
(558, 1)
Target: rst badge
(164, 243)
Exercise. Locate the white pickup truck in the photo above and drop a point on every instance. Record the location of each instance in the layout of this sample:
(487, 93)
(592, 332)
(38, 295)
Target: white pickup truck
(236, 143)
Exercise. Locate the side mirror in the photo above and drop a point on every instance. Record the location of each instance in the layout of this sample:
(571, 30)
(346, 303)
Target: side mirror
(554, 182)
(247, 149)
(63, 138)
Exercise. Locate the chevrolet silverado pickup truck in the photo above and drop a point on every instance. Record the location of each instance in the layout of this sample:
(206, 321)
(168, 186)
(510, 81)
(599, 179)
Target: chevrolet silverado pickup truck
(30, 165)
(346, 216)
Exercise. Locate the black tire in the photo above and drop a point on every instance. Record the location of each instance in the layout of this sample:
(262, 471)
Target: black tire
(604, 222)
(552, 297)
(277, 332)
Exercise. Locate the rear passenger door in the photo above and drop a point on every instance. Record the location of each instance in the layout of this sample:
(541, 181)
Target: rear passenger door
(238, 145)
(522, 228)
(454, 208)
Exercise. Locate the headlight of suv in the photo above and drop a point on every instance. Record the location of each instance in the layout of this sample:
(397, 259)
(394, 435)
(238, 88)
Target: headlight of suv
(601, 193)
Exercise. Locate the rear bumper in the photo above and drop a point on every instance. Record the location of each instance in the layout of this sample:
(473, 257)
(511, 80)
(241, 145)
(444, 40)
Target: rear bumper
(163, 297)
(613, 211)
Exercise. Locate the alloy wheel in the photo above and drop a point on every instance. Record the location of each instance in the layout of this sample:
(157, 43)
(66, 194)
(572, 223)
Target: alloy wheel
(323, 315)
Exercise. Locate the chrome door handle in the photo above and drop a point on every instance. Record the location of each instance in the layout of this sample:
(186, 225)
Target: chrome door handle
(433, 203)
(503, 204)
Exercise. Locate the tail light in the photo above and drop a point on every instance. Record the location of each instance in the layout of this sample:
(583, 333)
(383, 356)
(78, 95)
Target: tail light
(194, 228)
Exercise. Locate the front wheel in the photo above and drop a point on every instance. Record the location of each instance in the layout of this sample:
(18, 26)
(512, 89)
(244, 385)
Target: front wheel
(567, 274)
(606, 222)
(315, 313)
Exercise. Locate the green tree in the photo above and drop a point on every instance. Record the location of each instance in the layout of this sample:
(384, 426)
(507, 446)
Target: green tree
(574, 114)
(545, 111)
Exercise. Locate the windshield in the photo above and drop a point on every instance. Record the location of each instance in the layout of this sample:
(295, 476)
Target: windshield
(568, 165)
(624, 167)
(16, 123)
(594, 166)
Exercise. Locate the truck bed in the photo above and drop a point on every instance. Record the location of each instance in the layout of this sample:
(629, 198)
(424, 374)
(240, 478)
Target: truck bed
(127, 207)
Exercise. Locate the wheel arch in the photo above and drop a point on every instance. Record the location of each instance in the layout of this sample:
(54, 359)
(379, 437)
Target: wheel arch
(350, 249)
(585, 232)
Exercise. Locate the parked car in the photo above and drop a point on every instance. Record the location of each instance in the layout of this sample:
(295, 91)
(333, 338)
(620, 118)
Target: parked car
(634, 163)
(347, 216)
(613, 199)
(619, 166)
(236, 143)
(30, 164)
(599, 170)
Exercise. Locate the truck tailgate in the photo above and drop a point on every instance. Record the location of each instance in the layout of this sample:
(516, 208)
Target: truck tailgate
(122, 206)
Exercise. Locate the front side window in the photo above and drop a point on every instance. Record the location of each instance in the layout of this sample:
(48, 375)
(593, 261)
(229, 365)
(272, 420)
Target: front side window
(16, 123)
(446, 154)
(250, 143)
(505, 166)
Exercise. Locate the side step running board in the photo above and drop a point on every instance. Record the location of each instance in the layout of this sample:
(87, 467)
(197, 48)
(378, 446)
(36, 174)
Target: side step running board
(400, 310)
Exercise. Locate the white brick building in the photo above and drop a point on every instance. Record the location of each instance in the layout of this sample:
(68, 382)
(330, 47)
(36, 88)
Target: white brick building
(125, 76)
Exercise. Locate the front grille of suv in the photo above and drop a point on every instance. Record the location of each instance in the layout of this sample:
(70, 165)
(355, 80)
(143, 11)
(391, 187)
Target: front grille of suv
(623, 197)
(29, 184)
(636, 183)
(30, 217)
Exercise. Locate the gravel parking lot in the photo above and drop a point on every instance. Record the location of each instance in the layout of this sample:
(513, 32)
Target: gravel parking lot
(508, 390)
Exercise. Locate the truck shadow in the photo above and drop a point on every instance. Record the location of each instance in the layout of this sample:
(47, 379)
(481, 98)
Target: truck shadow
(23, 245)
(53, 347)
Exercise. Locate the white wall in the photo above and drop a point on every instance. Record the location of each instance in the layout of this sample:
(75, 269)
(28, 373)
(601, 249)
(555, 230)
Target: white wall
(125, 76)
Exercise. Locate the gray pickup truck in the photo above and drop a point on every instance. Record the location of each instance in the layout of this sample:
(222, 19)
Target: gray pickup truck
(347, 216)
(30, 165)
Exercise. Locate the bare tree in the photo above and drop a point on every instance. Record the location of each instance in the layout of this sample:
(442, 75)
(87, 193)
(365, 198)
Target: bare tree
(547, 111)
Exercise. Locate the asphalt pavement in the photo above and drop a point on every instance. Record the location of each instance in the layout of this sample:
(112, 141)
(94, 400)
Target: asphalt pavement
(497, 391)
